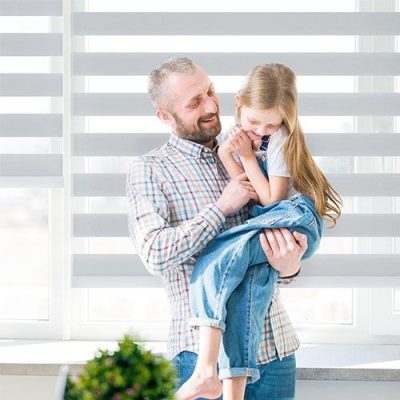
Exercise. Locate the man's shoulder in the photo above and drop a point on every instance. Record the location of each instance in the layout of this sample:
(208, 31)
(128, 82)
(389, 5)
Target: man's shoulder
(152, 159)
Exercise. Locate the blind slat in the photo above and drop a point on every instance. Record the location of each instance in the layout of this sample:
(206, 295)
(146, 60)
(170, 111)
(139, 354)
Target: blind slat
(31, 7)
(346, 184)
(31, 125)
(116, 144)
(328, 144)
(314, 104)
(31, 44)
(31, 85)
(31, 165)
(357, 144)
(318, 265)
(240, 63)
(322, 270)
(358, 225)
(251, 23)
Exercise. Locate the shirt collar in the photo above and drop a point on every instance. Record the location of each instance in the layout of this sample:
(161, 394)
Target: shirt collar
(192, 149)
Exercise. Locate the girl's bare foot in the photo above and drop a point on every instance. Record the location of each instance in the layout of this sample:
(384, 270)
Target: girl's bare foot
(209, 387)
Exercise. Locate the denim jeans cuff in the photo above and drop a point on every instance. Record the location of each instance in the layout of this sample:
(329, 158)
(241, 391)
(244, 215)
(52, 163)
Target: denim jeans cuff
(216, 323)
(253, 374)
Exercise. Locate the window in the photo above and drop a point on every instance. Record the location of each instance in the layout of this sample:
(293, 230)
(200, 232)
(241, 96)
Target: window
(31, 76)
(88, 118)
(25, 226)
(396, 300)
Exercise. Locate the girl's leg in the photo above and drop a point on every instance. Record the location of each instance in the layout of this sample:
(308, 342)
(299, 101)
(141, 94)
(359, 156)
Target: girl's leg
(204, 381)
(215, 277)
(185, 363)
(246, 308)
(246, 311)
(234, 388)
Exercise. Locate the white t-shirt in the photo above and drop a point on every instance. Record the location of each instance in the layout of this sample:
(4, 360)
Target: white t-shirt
(275, 158)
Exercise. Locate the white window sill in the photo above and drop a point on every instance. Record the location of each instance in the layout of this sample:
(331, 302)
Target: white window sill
(314, 362)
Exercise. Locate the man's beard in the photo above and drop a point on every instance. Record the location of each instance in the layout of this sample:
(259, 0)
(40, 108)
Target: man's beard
(196, 132)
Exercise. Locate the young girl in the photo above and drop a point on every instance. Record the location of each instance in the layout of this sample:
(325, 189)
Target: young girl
(293, 193)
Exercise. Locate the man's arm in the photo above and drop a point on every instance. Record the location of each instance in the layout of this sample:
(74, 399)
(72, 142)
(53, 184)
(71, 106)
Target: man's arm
(159, 245)
(284, 252)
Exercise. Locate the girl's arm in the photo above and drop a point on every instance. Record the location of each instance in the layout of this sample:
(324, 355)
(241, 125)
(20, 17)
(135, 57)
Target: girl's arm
(231, 165)
(267, 192)
(225, 153)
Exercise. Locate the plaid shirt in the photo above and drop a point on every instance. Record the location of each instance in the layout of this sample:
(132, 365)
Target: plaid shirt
(172, 216)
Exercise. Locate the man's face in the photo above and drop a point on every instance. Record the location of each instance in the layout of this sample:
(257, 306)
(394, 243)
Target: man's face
(193, 106)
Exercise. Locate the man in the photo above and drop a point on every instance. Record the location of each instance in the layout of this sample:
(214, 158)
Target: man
(180, 197)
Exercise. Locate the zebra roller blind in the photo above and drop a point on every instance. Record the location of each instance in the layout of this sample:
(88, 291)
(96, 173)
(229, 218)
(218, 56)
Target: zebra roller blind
(31, 101)
(352, 133)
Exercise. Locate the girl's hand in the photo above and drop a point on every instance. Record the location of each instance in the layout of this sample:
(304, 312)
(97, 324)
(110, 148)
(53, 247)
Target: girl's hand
(240, 142)
(225, 147)
(256, 144)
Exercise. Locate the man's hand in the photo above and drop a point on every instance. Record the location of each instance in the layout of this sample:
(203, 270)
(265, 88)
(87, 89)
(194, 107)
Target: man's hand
(284, 250)
(236, 194)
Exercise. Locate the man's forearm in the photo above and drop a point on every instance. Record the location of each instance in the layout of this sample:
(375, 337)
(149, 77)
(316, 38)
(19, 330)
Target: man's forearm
(163, 248)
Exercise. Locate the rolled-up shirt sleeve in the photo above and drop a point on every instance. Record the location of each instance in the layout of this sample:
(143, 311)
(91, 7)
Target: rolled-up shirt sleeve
(283, 281)
(160, 245)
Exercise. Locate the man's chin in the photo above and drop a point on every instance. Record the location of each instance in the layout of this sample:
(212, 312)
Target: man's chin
(205, 138)
(212, 131)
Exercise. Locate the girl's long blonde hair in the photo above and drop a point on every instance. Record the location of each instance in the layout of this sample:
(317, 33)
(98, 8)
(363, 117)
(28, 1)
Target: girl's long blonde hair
(274, 85)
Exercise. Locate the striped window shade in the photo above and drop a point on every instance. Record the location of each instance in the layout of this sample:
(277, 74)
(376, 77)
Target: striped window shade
(351, 132)
(31, 97)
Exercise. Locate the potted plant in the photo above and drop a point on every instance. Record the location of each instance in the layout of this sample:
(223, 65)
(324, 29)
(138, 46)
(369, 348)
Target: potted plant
(131, 372)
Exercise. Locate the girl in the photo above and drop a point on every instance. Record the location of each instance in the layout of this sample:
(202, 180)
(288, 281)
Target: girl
(293, 193)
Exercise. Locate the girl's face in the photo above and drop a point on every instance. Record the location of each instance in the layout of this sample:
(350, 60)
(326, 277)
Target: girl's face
(259, 123)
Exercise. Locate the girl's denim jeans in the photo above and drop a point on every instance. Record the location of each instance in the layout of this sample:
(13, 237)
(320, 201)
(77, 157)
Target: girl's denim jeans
(277, 378)
(235, 259)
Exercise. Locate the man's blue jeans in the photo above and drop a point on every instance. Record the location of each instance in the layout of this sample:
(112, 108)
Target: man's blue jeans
(235, 258)
(277, 378)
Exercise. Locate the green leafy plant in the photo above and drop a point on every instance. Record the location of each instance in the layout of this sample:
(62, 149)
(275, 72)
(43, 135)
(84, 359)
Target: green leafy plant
(131, 372)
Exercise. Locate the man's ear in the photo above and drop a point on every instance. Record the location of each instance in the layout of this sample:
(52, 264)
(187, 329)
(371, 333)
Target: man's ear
(164, 116)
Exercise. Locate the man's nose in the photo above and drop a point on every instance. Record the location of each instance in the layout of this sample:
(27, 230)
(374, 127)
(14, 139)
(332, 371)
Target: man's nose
(211, 105)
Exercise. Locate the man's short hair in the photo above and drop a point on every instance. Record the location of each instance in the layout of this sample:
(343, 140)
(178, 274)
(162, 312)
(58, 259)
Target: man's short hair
(157, 77)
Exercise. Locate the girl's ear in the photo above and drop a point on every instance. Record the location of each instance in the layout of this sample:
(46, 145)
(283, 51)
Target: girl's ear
(238, 102)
